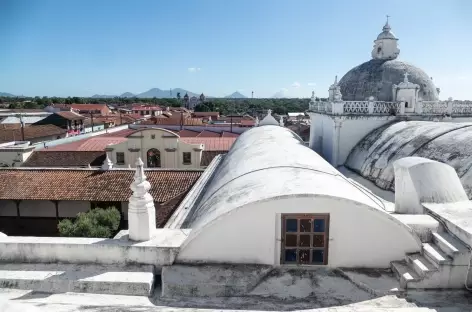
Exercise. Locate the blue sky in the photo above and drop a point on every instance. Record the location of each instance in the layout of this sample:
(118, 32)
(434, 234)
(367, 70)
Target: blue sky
(67, 48)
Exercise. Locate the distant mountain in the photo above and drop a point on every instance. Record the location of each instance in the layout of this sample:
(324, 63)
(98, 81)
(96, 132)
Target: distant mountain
(236, 95)
(158, 93)
(6, 94)
(127, 95)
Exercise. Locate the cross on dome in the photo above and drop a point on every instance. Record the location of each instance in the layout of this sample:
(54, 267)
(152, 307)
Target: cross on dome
(387, 26)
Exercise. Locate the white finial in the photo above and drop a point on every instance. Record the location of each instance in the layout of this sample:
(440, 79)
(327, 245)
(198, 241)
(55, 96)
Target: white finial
(139, 176)
(269, 112)
(107, 164)
(313, 95)
(336, 80)
(387, 26)
(405, 75)
(141, 211)
(281, 122)
(257, 121)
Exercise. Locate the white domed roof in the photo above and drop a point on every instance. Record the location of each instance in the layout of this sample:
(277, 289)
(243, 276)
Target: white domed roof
(387, 33)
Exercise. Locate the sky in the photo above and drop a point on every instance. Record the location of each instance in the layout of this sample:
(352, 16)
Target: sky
(289, 48)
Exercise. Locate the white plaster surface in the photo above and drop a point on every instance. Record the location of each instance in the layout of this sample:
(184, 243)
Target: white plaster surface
(160, 250)
(269, 172)
(415, 301)
(456, 216)
(387, 195)
(419, 180)
(53, 278)
(423, 225)
(445, 142)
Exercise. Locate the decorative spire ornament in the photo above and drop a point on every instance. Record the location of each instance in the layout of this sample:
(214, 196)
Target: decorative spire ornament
(141, 210)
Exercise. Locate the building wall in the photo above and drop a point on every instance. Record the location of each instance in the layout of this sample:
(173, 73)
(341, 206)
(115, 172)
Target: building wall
(37, 208)
(170, 147)
(7, 208)
(353, 130)
(70, 208)
(359, 236)
(14, 159)
(88, 129)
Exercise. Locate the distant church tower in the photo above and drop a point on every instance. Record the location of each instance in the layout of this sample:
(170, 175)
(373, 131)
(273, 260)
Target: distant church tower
(386, 45)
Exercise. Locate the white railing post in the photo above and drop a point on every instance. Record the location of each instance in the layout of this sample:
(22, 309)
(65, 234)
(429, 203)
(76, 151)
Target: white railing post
(371, 105)
(402, 108)
(338, 108)
(449, 106)
(419, 107)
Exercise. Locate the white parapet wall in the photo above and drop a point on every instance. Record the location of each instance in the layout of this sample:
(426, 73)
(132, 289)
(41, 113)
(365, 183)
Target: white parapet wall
(161, 250)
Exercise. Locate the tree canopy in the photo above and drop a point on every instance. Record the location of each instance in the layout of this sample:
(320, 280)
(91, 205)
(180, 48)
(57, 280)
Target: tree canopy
(225, 106)
(102, 223)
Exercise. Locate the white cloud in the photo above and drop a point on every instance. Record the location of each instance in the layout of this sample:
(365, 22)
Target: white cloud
(283, 93)
(194, 69)
(296, 84)
(311, 84)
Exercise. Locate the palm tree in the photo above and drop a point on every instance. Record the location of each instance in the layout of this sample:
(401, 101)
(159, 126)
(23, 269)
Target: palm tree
(202, 98)
(178, 96)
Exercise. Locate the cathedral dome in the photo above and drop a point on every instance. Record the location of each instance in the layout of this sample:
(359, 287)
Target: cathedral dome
(377, 76)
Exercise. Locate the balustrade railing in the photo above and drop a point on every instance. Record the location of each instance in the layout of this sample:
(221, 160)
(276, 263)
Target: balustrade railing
(454, 108)
(461, 108)
(356, 107)
(386, 108)
(434, 107)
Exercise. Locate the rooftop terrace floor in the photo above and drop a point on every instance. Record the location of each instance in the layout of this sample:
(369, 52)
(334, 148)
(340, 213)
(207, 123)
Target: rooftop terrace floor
(346, 297)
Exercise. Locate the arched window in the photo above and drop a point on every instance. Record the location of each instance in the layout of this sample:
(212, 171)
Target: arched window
(153, 158)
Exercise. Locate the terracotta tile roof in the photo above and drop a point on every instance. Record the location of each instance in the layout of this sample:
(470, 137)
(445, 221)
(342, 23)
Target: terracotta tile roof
(141, 107)
(245, 122)
(211, 144)
(118, 134)
(208, 134)
(88, 107)
(226, 134)
(91, 185)
(47, 158)
(188, 133)
(70, 115)
(97, 143)
(206, 114)
(173, 121)
(30, 132)
(207, 156)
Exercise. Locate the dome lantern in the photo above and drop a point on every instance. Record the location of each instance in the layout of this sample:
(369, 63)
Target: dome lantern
(386, 44)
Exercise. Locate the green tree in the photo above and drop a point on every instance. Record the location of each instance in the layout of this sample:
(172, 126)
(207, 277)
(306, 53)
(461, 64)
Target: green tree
(97, 222)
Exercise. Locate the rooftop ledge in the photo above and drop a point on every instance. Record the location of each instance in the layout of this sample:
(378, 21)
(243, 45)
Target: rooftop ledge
(431, 108)
(160, 250)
